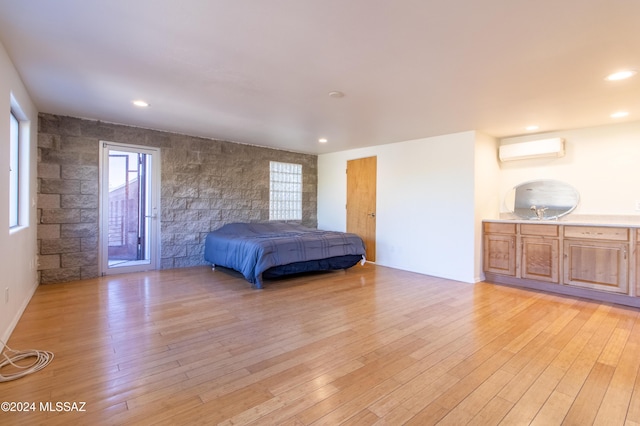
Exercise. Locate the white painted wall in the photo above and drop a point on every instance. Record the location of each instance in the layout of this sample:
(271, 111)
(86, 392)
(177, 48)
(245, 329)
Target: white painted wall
(17, 249)
(487, 200)
(602, 163)
(426, 216)
(433, 193)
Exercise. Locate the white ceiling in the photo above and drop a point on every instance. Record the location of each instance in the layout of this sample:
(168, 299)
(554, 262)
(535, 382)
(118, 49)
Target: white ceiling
(259, 71)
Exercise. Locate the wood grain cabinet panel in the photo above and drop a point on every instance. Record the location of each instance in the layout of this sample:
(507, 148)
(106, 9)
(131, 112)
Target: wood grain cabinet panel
(500, 228)
(599, 265)
(637, 270)
(597, 233)
(539, 230)
(540, 259)
(598, 262)
(500, 254)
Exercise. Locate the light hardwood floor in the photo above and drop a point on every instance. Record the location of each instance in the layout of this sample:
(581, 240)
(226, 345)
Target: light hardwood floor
(370, 345)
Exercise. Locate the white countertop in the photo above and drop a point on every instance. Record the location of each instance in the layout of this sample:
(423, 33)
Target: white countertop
(570, 219)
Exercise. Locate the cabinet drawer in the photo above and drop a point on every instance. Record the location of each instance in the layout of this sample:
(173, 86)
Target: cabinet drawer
(499, 228)
(537, 229)
(597, 233)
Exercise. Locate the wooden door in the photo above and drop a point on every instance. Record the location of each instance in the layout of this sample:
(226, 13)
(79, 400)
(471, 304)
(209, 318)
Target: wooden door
(361, 202)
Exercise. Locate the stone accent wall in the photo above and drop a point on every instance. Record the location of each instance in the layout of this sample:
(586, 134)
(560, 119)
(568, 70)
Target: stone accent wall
(205, 183)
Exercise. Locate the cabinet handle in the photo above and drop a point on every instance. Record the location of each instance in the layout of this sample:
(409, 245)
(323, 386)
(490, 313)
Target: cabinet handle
(624, 253)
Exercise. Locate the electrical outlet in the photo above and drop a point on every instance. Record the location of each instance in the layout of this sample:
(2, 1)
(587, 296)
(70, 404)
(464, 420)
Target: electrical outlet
(6, 295)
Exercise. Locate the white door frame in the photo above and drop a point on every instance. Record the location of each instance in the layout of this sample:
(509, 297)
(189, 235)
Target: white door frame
(153, 217)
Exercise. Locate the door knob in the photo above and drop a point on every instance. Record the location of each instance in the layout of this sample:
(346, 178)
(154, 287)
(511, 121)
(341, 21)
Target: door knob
(372, 214)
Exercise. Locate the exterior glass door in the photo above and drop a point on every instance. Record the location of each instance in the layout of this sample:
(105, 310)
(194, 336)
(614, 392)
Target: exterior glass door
(129, 208)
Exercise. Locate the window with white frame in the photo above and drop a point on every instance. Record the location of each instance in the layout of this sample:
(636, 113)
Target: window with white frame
(285, 191)
(14, 171)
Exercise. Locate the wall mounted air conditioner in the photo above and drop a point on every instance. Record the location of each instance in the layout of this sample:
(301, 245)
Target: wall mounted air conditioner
(534, 149)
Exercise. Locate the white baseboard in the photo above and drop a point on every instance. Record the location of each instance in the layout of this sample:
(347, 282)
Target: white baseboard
(7, 333)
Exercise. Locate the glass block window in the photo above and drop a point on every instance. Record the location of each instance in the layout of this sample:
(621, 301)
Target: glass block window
(285, 191)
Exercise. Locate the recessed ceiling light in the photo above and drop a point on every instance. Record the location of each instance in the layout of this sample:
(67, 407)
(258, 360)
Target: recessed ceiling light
(531, 128)
(621, 75)
(619, 114)
(140, 103)
(336, 94)
(323, 140)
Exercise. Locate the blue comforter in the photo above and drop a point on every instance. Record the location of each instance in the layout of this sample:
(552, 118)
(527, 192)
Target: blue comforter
(252, 248)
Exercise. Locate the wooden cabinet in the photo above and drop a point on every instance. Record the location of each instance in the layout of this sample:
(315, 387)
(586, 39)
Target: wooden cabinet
(637, 266)
(540, 257)
(599, 262)
(499, 255)
(597, 258)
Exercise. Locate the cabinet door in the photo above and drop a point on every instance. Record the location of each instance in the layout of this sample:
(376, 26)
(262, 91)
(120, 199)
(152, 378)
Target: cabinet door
(540, 259)
(637, 274)
(500, 254)
(637, 270)
(598, 265)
